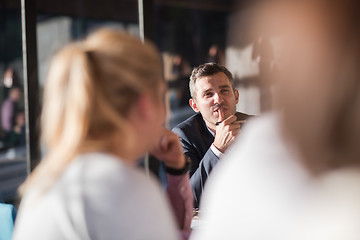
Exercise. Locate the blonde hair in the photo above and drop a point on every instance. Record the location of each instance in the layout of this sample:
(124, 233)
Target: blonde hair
(91, 87)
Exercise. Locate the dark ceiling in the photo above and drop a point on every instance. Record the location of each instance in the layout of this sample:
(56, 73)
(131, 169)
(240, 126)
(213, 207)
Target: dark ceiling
(121, 10)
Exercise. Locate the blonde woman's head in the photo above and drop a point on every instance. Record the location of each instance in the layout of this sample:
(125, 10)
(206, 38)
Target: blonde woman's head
(92, 89)
(92, 85)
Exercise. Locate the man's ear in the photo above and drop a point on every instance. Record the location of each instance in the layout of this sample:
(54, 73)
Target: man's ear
(193, 105)
(236, 92)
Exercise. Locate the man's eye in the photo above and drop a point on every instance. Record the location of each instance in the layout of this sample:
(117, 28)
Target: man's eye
(209, 94)
(225, 90)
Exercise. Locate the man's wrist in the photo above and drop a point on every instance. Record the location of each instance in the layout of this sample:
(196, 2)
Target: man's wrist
(216, 151)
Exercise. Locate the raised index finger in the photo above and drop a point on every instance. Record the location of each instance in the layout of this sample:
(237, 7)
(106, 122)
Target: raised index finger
(220, 118)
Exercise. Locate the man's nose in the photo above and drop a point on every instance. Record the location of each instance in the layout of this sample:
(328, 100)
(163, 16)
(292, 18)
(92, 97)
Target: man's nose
(218, 98)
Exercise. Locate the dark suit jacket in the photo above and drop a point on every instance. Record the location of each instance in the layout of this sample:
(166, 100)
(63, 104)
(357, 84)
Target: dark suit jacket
(196, 141)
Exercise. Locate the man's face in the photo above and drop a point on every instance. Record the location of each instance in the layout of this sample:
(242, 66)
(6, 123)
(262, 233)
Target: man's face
(214, 93)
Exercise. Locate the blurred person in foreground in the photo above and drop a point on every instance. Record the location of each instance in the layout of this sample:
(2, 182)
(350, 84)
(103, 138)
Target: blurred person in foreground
(295, 173)
(206, 135)
(103, 110)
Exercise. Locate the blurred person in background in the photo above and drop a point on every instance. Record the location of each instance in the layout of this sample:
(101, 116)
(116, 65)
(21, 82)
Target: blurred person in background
(9, 108)
(295, 173)
(10, 80)
(16, 137)
(216, 55)
(104, 109)
(179, 84)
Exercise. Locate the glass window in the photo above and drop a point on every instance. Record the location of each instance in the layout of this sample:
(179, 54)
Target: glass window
(12, 130)
(61, 22)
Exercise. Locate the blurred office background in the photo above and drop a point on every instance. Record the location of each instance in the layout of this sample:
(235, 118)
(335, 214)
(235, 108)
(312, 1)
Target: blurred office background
(187, 33)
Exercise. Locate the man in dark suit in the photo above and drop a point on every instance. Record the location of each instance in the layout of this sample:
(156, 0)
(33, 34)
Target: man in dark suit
(206, 135)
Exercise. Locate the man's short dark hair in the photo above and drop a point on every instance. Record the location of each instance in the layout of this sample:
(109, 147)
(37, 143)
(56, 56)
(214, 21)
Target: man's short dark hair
(208, 69)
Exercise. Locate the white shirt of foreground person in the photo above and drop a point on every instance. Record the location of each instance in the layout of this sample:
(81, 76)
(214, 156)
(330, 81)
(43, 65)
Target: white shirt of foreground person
(261, 191)
(98, 197)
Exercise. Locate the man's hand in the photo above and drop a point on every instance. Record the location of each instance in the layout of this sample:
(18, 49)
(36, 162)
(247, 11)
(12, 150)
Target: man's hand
(226, 131)
(169, 150)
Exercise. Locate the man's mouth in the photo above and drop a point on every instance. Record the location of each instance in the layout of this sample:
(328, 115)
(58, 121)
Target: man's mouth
(217, 109)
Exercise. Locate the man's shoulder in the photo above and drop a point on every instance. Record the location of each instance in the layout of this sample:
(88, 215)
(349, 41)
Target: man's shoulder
(196, 121)
(242, 116)
(192, 123)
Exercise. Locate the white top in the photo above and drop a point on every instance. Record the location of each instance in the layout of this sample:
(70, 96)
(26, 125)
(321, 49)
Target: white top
(97, 197)
(261, 191)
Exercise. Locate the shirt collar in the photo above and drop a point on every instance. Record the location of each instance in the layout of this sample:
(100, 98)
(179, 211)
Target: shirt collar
(210, 130)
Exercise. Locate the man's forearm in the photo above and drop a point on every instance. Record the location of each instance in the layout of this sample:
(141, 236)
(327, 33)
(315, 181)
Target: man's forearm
(198, 178)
